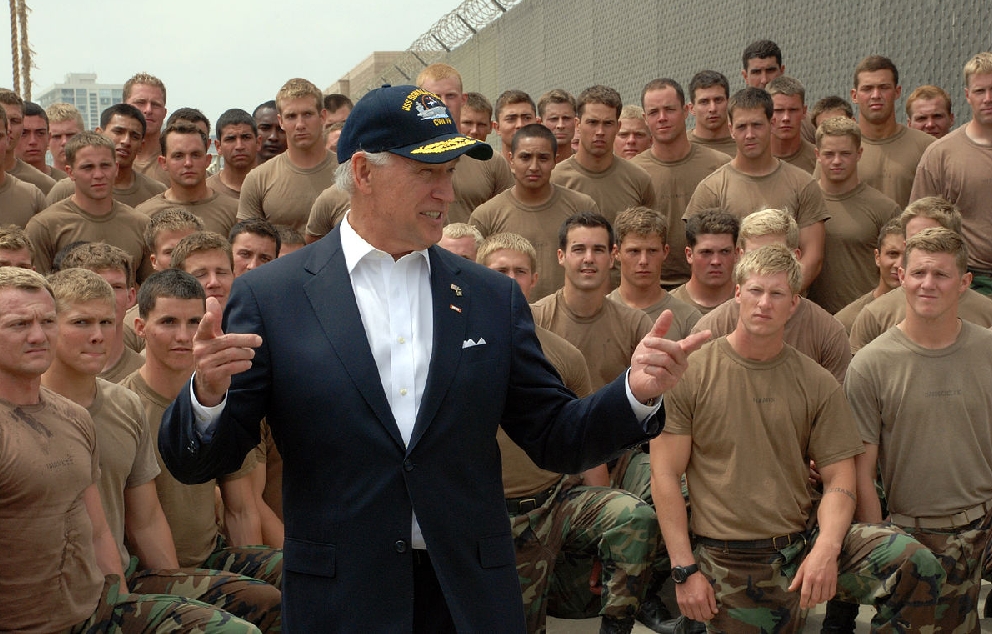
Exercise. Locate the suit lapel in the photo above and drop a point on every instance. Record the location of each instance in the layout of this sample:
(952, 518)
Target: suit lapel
(451, 302)
(333, 300)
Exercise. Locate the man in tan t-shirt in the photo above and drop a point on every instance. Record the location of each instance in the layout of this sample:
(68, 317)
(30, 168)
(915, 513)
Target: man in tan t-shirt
(711, 251)
(675, 165)
(34, 141)
(474, 182)
(857, 214)
(556, 110)
(958, 166)
(19, 201)
(327, 211)
(476, 119)
(207, 256)
(514, 109)
(633, 136)
(709, 92)
(13, 106)
(743, 426)
(534, 208)
(928, 109)
(185, 159)
(788, 115)
(755, 180)
(920, 395)
(125, 126)
(90, 214)
(891, 150)
(147, 93)
(888, 259)
(271, 136)
(237, 143)
(595, 170)
(282, 190)
(64, 122)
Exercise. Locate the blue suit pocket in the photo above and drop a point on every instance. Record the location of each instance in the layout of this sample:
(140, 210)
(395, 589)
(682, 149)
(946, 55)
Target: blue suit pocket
(496, 551)
(309, 558)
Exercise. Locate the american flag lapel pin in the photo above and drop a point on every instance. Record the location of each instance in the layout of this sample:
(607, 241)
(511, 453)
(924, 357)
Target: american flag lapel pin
(457, 289)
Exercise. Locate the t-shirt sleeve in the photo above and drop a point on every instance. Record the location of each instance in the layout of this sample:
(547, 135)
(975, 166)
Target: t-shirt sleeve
(834, 436)
(925, 181)
(43, 247)
(502, 176)
(864, 330)
(250, 203)
(679, 403)
(812, 206)
(863, 397)
(836, 355)
(145, 467)
(703, 198)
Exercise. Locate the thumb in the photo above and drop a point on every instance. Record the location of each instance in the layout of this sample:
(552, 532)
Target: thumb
(209, 327)
(662, 324)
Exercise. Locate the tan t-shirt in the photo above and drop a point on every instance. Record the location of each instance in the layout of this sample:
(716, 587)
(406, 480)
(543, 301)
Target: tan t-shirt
(216, 211)
(131, 338)
(607, 340)
(28, 174)
(889, 165)
(475, 182)
(57, 174)
(621, 186)
(889, 309)
(804, 158)
(151, 169)
(521, 477)
(19, 201)
(282, 193)
(755, 425)
(960, 171)
(681, 293)
(189, 508)
(849, 268)
(216, 184)
(787, 188)
(141, 189)
(50, 580)
(674, 183)
(328, 211)
(849, 313)
(130, 361)
(930, 413)
(127, 459)
(811, 330)
(726, 145)
(539, 224)
(684, 316)
(65, 222)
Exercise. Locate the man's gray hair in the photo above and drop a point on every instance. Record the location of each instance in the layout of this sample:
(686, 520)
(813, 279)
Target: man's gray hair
(343, 177)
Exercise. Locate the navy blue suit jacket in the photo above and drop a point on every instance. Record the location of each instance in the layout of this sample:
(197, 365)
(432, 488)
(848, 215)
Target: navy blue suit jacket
(349, 482)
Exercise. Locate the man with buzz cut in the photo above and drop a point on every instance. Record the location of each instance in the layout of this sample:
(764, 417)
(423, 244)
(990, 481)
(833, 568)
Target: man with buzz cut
(534, 207)
(64, 122)
(928, 109)
(34, 141)
(762, 61)
(676, 165)
(477, 116)
(90, 214)
(556, 110)
(13, 107)
(857, 214)
(743, 426)
(15, 248)
(237, 143)
(709, 92)
(828, 108)
(754, 179)
(633, 137)
(283, 189)
(711, 251)
(125, 126)
(19, 201)
(474, 182)
(186, 158)
(788, 114)
(147, 93)
(514, 109)
(272, 137)
(595, 170)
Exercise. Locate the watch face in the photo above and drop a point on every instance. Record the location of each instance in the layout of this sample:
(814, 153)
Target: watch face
(678, 574)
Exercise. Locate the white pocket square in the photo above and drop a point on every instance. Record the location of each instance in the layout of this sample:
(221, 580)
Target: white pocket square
(468, 343)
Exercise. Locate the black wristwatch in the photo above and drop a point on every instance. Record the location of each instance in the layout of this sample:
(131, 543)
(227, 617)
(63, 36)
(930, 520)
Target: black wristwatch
(681, 574)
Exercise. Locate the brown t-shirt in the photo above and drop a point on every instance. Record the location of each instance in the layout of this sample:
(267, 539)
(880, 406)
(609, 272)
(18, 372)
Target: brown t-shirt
(151, 169)
(804, 158)
(930, 413)
(127, 459)
(189, 508)
(960, 171)
(521, 477)
(28, 174)
(849, 313)
(217, 212)
(673, 183)
(475, 182)
(681, 293)
(57, 174)
(50, 580)
(755, 425)
(328, 211)
(282, 193)
(889, 309)
(131, 339)
(849, 268)
(684, 316)
(607, 340)
(130, 361)
(216, 184)
(19, 201)
(787, 188)
(65, 222)
(726, 145)
(889, 165)
(620, 186)
(539, 224)
(811, 330)
(141, 189)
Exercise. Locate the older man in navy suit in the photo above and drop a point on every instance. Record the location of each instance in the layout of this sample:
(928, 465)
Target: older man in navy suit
(384, 365)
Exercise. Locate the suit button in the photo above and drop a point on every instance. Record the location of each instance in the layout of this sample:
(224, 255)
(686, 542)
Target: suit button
(191, 447)
(408, 465)
(400, 546)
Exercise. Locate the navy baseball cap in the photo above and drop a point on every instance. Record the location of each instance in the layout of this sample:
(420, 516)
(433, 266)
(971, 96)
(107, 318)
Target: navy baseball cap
(408, 121)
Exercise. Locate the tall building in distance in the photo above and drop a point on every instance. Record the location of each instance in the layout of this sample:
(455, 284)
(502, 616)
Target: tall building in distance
(83, 91)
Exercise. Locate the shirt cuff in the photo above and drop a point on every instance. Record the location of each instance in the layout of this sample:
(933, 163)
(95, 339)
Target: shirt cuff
(206, 417)
(641, 411)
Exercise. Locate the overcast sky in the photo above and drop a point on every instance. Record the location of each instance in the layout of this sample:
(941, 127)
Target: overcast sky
(216, 55)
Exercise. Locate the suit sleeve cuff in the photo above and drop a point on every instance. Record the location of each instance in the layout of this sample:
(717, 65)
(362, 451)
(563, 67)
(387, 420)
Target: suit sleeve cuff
(641, 411)
(206, 417)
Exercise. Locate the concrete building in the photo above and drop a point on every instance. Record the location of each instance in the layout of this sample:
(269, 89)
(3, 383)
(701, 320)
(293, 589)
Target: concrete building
(83, 91)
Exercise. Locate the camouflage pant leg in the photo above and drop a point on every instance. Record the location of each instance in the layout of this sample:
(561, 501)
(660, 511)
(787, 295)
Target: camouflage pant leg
(612, 525)
(257, 562)
(961, 553)
(157, 614)
(250, 599)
